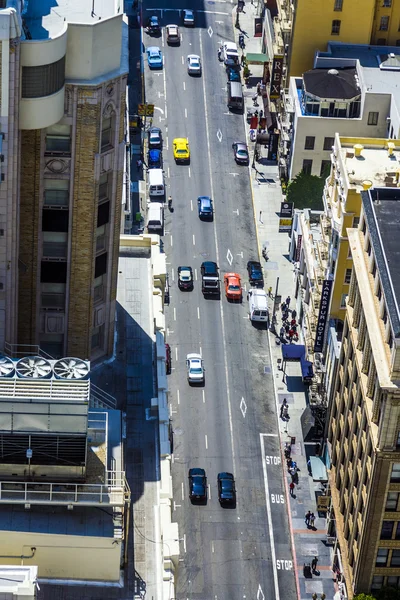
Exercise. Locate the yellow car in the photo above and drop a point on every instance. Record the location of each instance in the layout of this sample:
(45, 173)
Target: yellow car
(181, 150)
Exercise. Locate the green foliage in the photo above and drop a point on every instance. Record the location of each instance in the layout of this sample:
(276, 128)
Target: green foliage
(306, 191)
(388, 593)
(364, 597)
(246, 72)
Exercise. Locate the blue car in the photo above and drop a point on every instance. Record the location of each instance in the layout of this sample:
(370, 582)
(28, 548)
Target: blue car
(233, 75)
(155, 159)
(154, 57)
(205, 207)
(197, 484)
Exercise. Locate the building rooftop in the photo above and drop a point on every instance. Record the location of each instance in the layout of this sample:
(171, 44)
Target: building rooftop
(374, 165)
(46, 18)
(382, 212)
(341, 84)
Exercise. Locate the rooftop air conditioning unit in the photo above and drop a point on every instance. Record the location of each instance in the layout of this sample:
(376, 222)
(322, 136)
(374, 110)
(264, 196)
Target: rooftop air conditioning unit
(7, 367)
(34, 367)
(71, 368)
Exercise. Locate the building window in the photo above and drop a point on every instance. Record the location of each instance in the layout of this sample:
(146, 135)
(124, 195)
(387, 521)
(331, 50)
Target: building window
(107, 133)
(98, 337)
(338, 5)
(373, 118)
(356, 222)
(309, 143)
(58, 139)
(103, 214)
(335, 27)
(382, 557)
(105, 186)
(325, 168)
(387, 530)
(43, 80)
(56, 192)
(384, 24)
(395, 562)
(100, 288)
(387, 3)
(395, 474)
(328, 143)
(347, 277)
(393, 581)
(392, 500)
(100, 265)
(343, 301)
(307, 166)
(377, 582)
(101, 238)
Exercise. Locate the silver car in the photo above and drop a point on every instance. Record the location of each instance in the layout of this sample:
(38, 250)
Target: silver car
(194, 64)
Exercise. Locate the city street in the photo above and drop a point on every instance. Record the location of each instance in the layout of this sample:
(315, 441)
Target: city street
(230, 423)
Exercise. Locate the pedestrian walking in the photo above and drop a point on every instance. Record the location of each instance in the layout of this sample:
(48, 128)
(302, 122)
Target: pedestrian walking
(285, 412)
(283, 306)
(261, 221)
(284, 403)
(291, 487)
(242, 60)
(270, 291)
(288, 301)
(294, 314)
(307, 518)
(314, 563)
(139, 164)
(282, 333)
(309, 466)
(287, 329)
(312, 520)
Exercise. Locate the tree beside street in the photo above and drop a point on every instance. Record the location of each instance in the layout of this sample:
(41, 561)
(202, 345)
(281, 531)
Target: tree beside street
(305, 191)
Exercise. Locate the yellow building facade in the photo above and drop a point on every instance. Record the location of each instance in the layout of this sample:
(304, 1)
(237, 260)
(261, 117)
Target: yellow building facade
(315, 23)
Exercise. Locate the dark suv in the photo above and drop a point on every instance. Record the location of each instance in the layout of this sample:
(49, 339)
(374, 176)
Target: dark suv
(255, 273)
(226, 489)
(197, 485)
(209, 269)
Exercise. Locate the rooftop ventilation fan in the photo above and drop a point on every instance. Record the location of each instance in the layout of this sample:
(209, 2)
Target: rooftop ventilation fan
(7, 367)
(34, 367)
(71, 368)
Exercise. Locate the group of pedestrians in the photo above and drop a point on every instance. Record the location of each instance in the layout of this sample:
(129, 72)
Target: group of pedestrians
(310, 520)
(288, 330)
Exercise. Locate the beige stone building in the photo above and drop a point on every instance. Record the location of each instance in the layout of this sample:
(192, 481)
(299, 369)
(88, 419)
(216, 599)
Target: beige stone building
(62, 120)
(364, 427)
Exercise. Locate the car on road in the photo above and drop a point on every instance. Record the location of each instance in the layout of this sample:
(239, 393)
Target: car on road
(168, 359)
(205, 207)
(195, 369)
(155, 137)
(154, 57)
(153, 25)
(185, 278)
(194, 64)
(154, 159)
(233, 74)
(188, 18)
(173, 35)
(241, 153)
(197, 484)
(233, 287)
(226, 489)
(254, 270)
(209, 268)
(181, 150)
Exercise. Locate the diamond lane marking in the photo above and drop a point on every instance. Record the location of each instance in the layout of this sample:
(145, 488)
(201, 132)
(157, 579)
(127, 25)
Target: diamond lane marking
(260, 593)
(243, 408)
(229, 257)
(219, 135)
(210, 31)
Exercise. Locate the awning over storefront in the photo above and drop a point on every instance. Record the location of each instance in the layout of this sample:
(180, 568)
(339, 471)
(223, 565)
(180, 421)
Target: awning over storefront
(255, 58)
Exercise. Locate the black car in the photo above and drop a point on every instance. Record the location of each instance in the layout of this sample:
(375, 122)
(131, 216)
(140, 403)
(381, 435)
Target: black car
(197, 484)
(209, 269)
(153, 25)
(155, 137)
(185, 278)
(205, 207)
(154, 159)
(255, 273)
(226, 489)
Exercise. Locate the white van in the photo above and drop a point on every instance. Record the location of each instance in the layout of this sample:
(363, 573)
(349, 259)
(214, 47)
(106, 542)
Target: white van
(258, 305)
(230, 54)
(156, 182)
(155, 218)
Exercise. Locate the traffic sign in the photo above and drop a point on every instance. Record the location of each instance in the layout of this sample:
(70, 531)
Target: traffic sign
(146, 110)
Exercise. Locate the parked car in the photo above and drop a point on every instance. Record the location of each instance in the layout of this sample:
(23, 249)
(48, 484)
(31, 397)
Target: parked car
(233, 287)
(241, 153)
(194, 64)
(155, 137)
(233, 74)
(254, 270)
(181, 150)
(195, 369)
(154, 159)
(226, 489)
(168, 359)
(185, 278)
(205, 207)
(154, 57)
(188, 18)
(173, 35)
(197, 484)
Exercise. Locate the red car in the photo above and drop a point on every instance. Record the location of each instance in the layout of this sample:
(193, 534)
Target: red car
(233, 287)
(168, 361)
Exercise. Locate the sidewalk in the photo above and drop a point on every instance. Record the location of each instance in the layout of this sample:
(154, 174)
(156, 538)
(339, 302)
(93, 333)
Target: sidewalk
(267, 197)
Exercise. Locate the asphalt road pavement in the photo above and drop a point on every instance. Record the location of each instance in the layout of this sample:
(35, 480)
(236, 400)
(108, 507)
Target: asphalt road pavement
(229, 424)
